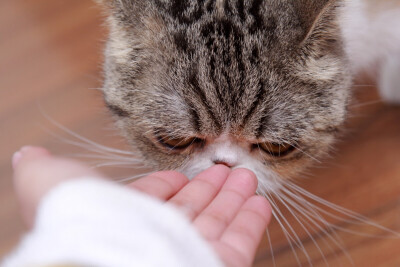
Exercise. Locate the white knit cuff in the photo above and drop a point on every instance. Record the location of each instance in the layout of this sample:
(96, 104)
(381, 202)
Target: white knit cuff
(92, 222)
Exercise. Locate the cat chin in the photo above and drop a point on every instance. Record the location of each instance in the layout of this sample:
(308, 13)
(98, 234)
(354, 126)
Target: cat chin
(234, 155)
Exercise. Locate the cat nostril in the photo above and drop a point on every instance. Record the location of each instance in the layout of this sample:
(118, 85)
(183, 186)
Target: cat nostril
(223, 163)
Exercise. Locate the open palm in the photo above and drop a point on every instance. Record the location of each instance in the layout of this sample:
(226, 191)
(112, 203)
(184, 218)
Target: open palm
(221, 203)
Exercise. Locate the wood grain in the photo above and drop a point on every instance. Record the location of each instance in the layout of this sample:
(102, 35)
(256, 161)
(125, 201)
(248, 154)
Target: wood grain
(50, 65)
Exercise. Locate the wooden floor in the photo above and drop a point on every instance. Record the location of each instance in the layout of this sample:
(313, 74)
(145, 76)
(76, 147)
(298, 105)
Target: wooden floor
(50, 66)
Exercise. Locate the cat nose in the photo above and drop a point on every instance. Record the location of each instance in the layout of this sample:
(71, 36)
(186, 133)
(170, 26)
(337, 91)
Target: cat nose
(223, 163)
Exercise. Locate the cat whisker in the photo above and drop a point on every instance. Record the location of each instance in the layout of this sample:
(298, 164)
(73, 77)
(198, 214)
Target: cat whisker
(133, 178)
(112, 159)
(101, 154)
(305, 153)
(320, 236)
(106, 157)
(310, 216)
(363, 85)
(368, 103)
(313, 216)
(355, 218)
(302, 226)
(111, 156)
(120, 164)
(271, 249)
(297, 201)
(287, 235)
(291, 236)
(84, 139)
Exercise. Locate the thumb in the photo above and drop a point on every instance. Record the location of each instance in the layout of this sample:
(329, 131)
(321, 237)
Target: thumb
(36, 172)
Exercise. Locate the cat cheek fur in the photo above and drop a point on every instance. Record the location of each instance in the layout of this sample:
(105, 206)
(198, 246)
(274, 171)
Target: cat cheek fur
(260, 71)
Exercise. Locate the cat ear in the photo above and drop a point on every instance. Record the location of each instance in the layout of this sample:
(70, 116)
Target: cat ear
(319, 19)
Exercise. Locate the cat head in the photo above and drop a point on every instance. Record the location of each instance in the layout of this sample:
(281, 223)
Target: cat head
(257, 84)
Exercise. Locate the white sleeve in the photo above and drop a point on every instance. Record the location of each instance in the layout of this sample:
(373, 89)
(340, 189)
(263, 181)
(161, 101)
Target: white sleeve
(91, 222)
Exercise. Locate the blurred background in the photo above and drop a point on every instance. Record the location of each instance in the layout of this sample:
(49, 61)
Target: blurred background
(50, 69)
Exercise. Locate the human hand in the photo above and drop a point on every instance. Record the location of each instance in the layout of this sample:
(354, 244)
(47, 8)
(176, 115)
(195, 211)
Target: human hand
(220, 202)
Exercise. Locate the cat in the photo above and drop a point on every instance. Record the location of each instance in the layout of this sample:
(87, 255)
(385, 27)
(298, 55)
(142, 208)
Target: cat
(258, 84)
(194, 83)
(263, 85)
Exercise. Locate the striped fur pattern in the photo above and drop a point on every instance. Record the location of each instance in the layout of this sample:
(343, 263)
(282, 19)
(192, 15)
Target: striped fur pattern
(233, 71)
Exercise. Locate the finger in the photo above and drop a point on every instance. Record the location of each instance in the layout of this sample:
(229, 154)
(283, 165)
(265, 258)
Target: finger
(244, 234)
(36, 171)
(27, 153)
(162, 185)
(240, 185)
(196, 195)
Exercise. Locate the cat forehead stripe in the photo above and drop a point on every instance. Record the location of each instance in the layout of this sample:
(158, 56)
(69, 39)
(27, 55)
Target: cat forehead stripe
(222, 37)
(192, 11)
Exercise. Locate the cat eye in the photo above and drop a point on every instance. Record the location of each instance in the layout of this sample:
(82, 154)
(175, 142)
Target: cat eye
(178, 143)
(274, 149)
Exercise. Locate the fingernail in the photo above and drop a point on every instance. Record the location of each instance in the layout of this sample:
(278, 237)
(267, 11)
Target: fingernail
(18, 155)
(25, 148)
(16, 158)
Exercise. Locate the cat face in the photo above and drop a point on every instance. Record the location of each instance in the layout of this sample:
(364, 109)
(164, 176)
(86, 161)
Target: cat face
(257, 84)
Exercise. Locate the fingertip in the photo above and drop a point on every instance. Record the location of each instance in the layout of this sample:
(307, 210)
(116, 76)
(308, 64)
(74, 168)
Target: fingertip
(246, 178)
(36, 172)
(27, 153)
(245, 171)
(16, 158)
(215, 175)
(220, 168)
(213, 171)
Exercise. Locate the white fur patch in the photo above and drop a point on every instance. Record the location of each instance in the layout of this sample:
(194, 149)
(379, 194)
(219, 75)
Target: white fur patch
(370, 36)
(223, 149)
(371, 31)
